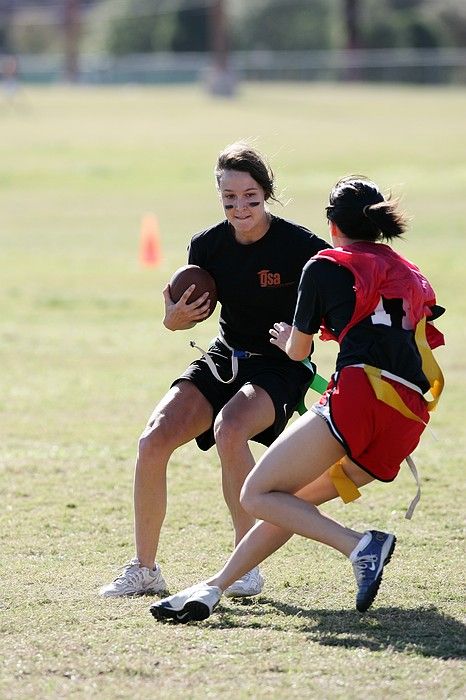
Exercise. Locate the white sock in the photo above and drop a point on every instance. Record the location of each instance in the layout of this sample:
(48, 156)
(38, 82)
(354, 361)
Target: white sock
(363, 542)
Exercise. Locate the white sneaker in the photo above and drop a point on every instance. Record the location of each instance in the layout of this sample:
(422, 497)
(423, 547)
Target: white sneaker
(194, 603)
(135, 580)
(250, 584)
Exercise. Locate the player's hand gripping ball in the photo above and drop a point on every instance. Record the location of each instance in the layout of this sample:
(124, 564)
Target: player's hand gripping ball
(193, 274)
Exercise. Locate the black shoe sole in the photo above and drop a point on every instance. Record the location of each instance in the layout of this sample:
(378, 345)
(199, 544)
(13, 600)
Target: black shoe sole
(369, 596)
(193, 611)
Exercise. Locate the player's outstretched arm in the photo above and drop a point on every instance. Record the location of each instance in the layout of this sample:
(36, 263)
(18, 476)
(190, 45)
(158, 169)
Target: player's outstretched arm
(296, 344)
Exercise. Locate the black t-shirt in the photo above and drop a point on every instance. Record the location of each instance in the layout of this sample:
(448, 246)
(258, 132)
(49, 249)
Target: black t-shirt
(257, 283)
(326, 292)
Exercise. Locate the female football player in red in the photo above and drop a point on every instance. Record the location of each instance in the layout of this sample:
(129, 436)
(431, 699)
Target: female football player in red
(379, 308)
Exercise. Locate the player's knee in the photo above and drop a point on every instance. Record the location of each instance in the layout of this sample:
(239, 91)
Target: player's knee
(146, 450)
(156, 440)
(250, 498)
(228, 433)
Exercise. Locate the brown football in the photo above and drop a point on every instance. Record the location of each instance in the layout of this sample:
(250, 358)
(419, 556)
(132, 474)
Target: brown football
(193, 274)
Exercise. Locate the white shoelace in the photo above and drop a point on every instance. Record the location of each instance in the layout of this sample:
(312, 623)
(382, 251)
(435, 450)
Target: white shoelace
(132, 572)
(363, 563)
(250, 577)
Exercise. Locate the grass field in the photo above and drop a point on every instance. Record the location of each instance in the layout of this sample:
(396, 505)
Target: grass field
(84, 358)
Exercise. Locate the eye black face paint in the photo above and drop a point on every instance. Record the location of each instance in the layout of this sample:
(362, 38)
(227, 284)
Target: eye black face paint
(249, 204)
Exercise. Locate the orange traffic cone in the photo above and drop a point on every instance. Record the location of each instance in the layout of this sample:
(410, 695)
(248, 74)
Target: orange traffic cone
(150, 253)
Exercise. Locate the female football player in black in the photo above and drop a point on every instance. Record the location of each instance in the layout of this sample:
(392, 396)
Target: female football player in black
(379, 308)
(243, 388)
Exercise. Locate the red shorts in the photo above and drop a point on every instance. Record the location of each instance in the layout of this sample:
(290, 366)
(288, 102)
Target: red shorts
(375, 436)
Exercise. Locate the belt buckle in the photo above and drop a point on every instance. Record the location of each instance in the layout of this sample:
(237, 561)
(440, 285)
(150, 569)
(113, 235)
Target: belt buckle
(242, 354)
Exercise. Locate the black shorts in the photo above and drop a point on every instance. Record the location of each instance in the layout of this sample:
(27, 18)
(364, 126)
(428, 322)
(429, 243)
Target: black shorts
(284, 380)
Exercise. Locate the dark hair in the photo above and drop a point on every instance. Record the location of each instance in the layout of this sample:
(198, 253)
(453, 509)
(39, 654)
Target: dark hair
(360, 210)
(243, 157)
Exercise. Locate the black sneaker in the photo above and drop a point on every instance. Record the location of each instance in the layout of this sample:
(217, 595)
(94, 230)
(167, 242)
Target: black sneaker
(368, 558)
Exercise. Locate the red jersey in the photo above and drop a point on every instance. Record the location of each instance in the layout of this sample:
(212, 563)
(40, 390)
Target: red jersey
(381, 272)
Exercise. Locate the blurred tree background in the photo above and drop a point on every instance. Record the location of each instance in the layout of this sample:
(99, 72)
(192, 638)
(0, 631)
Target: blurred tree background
(146, 26)
(128, 28)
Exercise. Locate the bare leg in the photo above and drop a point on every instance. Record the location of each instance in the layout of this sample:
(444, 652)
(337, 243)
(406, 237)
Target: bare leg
(265, 538)
(180, 416)
(248, 413)
(308, 449)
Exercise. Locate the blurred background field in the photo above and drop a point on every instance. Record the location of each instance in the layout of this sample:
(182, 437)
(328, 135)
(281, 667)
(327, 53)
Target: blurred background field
(222, 42)
(84, 357)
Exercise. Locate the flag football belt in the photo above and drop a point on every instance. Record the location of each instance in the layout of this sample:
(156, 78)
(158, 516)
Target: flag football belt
(235, 356)
(387, 393)
(318, 383)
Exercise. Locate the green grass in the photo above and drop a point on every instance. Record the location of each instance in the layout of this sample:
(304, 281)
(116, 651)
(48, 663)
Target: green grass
(84, 358)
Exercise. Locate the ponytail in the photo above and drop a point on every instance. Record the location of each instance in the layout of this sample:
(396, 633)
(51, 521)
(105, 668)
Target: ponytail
(389, 220)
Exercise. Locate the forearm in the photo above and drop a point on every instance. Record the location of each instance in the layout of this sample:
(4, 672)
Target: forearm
(296, 344)
(299, 345)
